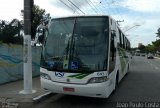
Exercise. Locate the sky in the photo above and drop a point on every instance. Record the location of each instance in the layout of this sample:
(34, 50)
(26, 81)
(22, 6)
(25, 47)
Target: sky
(145, 13)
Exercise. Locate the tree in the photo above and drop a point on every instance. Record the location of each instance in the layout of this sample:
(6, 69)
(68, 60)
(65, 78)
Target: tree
(156, 43)
(142, 48)
(10, 32)
(158, 33)
(154, 47)
(38, 16)
(150, 48)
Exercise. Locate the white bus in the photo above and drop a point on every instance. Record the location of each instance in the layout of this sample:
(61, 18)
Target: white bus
(84, 55)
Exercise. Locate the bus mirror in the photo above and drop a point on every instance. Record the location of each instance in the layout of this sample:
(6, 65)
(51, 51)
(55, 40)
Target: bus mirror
(113, 31)
(46, 29)
(40, 35)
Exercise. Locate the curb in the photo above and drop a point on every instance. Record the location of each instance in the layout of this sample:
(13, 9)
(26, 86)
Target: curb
(42, 97)
(157, 57)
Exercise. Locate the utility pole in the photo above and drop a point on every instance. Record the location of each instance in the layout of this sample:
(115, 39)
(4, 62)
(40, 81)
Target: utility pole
(27, 51)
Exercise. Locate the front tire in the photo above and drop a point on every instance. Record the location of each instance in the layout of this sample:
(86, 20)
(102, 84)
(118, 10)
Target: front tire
(116, 82)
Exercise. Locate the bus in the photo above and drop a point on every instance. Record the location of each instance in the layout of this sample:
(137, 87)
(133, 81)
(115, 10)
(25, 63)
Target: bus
(84, 56)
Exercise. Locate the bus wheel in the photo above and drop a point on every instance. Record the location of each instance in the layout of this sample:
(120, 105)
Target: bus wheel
(116, 82)
(127, 70)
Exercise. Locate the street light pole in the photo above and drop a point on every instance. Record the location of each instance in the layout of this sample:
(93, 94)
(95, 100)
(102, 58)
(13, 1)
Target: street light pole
(27, 52)
(132, 27)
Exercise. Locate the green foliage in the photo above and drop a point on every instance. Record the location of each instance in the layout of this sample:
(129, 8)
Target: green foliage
(10, 33)
(142, 48)
(158, 33)
(1, 42)
(150, 48)
(154, 47)
(156, 43)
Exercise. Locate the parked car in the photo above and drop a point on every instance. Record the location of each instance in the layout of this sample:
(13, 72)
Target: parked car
(137, 54)
(143, 54)
(150, 56)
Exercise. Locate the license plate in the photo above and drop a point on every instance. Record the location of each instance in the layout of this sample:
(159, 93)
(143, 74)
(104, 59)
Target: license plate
(68, 89)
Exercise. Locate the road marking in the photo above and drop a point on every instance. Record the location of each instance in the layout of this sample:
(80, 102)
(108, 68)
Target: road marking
(38, 98)
(153, 66)
(157, 68)
(150, 63)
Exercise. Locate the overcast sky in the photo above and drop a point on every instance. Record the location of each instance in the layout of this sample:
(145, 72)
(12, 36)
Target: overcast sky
(145, 13)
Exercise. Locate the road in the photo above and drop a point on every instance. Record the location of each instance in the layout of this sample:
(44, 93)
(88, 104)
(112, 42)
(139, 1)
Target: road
(140, 85)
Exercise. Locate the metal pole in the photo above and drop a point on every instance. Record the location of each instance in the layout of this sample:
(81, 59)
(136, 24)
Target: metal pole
(27, 52)
(132, 27)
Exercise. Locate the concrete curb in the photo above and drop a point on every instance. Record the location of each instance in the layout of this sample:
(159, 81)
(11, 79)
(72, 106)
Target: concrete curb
(42, 97)
(157, 57)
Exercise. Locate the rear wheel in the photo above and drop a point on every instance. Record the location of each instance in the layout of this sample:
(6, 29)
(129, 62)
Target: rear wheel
(117, 80)
(127, 70)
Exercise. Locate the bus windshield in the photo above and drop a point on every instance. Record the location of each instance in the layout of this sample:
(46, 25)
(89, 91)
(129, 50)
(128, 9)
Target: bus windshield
(76, 45)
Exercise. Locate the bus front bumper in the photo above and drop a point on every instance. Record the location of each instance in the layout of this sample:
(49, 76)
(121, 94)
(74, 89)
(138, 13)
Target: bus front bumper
(100, 90)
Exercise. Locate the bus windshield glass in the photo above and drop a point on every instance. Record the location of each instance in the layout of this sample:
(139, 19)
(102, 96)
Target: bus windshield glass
(76, 45)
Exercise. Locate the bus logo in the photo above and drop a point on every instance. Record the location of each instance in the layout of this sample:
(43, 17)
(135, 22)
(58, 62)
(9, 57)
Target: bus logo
(59, 74)
(100, 73)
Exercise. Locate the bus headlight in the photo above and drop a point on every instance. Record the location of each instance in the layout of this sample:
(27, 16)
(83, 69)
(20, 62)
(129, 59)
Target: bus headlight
(98, 79)
(45, 76)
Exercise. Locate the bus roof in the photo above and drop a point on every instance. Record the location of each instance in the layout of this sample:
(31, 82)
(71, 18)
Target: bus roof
(72, 16)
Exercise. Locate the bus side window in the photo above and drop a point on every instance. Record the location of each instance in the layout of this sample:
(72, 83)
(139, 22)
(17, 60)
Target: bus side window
(112, 57)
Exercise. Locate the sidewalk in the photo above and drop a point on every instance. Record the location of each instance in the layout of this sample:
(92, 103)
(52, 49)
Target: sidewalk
(10, 91)
(157, 57)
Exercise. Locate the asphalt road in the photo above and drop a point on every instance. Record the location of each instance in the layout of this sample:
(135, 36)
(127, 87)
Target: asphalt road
(141, 86)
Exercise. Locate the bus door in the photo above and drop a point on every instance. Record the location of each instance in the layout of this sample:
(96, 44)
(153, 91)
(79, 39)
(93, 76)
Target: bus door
(112, 59)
